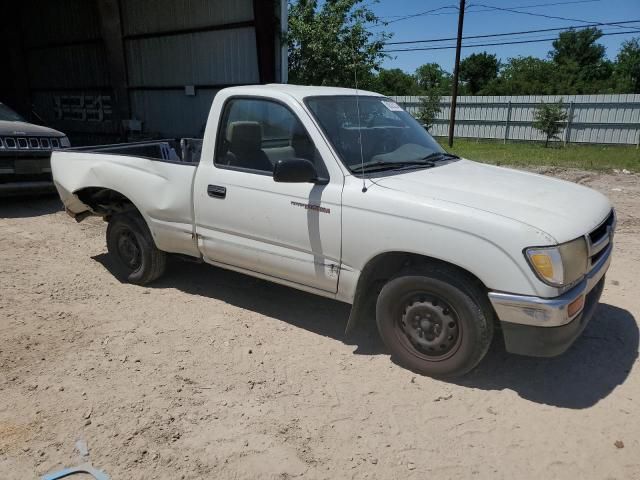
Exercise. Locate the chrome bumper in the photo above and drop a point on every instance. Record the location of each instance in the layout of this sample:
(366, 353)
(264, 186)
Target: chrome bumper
(547, 312)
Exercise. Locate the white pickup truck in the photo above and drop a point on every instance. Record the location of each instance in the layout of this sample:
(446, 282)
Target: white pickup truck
(343, 194)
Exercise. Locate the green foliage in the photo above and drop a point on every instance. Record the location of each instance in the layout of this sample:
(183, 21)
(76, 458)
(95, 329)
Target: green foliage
(478, 70)
(395, 82)
(581, 66)
(431, 76)
(429, 108)
(627, 67)
(329, 41)
(576, 65)
(523, 76)
(549, 119)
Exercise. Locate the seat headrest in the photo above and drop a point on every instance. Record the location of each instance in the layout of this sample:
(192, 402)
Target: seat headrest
(244, 136)
(302, 144)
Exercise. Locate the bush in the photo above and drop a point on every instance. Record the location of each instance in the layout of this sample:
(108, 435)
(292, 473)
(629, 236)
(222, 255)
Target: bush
(549, 120)
(429, 108)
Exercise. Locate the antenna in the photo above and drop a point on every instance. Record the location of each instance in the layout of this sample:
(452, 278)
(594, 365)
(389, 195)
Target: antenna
(355, 78)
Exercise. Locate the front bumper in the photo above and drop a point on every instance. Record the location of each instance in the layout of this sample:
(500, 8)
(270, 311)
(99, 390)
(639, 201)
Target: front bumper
(23, 188)
(542, 327)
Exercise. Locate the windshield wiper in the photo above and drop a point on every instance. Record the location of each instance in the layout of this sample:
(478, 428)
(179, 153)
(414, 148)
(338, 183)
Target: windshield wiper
(435, 156)
(382, 165)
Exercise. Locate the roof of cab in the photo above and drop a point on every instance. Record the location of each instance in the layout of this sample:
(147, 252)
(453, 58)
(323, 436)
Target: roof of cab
(300, 91)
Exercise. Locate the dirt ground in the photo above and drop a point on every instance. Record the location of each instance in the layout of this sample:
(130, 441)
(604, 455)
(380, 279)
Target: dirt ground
(211, 374)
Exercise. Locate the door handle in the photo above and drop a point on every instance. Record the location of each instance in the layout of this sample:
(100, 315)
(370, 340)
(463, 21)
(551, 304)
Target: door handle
(216, 191)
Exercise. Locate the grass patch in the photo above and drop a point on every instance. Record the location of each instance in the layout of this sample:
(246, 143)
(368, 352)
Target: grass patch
(588, 157)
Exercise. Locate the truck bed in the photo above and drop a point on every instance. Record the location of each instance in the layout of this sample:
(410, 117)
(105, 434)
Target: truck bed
(185, 150)
(159, 187)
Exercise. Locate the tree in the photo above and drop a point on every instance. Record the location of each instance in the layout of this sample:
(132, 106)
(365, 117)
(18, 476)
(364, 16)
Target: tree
(429, 108)
(549, 118)
(523, 76)
(431, 76)
(477, 70)
(627, 67)
(330, 42)
(581, 66)
(395, 82)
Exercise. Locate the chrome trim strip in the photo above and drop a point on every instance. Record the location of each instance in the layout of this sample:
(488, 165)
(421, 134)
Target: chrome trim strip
(547, 312)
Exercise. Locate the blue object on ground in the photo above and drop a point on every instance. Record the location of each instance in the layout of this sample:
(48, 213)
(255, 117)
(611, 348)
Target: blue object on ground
(86, 468)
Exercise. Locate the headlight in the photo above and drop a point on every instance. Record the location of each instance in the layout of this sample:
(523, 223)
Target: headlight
(64, 142)
(560, 265)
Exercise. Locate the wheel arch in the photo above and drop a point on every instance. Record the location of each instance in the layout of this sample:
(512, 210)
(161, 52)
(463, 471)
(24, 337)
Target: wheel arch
(104, 202)
(384, 266)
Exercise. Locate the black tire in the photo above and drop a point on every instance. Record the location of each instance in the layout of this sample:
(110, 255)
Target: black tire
(131, 245)
(437, 322)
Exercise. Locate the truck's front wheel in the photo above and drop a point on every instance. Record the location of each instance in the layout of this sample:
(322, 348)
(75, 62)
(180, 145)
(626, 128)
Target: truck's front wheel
(130, 243)
(435, 322)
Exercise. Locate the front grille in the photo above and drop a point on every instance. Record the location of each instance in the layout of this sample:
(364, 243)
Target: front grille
(29, 143)
(600, 238)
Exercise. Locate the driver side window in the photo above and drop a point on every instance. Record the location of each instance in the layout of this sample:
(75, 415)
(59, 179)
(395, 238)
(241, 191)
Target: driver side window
(256, 133)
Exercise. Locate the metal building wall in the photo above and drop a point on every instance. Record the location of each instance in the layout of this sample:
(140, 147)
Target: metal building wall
(607, 119)
(68, 74)
(206, 44)
(90, 66)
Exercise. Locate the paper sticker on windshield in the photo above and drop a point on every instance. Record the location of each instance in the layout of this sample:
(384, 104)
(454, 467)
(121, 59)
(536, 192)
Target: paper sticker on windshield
(393, 106)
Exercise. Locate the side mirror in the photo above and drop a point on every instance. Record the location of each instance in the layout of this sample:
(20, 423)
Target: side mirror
(296, 170)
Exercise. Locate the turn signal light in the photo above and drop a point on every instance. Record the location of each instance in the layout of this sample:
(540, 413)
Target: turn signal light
(575, 306)
(542, 263)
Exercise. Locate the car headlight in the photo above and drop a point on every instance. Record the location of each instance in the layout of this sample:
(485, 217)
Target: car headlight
(64, 142)
(560, 265)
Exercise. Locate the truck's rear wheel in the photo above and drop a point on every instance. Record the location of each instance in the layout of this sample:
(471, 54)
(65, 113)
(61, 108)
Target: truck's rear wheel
(130, 243)
(435, 322)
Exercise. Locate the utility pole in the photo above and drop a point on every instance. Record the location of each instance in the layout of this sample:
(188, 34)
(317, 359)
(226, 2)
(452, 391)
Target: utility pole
(456, 69)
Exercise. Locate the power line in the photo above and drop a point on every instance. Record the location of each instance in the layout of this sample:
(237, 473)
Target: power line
(398, 18)
(421, 14)
(434, 40)
(421, 49)
(554, 17)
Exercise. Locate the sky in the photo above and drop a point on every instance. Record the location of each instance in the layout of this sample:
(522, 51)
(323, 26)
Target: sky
(480, 19)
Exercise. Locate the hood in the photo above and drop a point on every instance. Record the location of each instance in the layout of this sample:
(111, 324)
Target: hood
(563, 210)
(18, 129)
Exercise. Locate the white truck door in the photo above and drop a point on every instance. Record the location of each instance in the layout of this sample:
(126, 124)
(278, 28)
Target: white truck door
(244, 219)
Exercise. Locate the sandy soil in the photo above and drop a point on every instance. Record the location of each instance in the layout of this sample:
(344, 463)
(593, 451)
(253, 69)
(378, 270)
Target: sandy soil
(211, 374)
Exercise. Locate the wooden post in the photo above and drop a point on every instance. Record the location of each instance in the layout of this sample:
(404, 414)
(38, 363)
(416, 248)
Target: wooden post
(456, 68)
(567, 130)
(506, 124)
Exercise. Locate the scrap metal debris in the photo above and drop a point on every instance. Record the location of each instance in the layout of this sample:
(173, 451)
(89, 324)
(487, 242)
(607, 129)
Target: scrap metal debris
(86, 468)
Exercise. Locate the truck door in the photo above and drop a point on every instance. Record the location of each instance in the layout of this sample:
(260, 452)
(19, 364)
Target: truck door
(244, 219)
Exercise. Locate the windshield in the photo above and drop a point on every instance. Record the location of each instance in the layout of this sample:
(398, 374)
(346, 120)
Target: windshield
(7, 114)
(389, 134)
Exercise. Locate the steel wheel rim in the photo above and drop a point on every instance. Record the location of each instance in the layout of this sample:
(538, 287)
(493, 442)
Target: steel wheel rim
(129, 249)
(428, 326)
